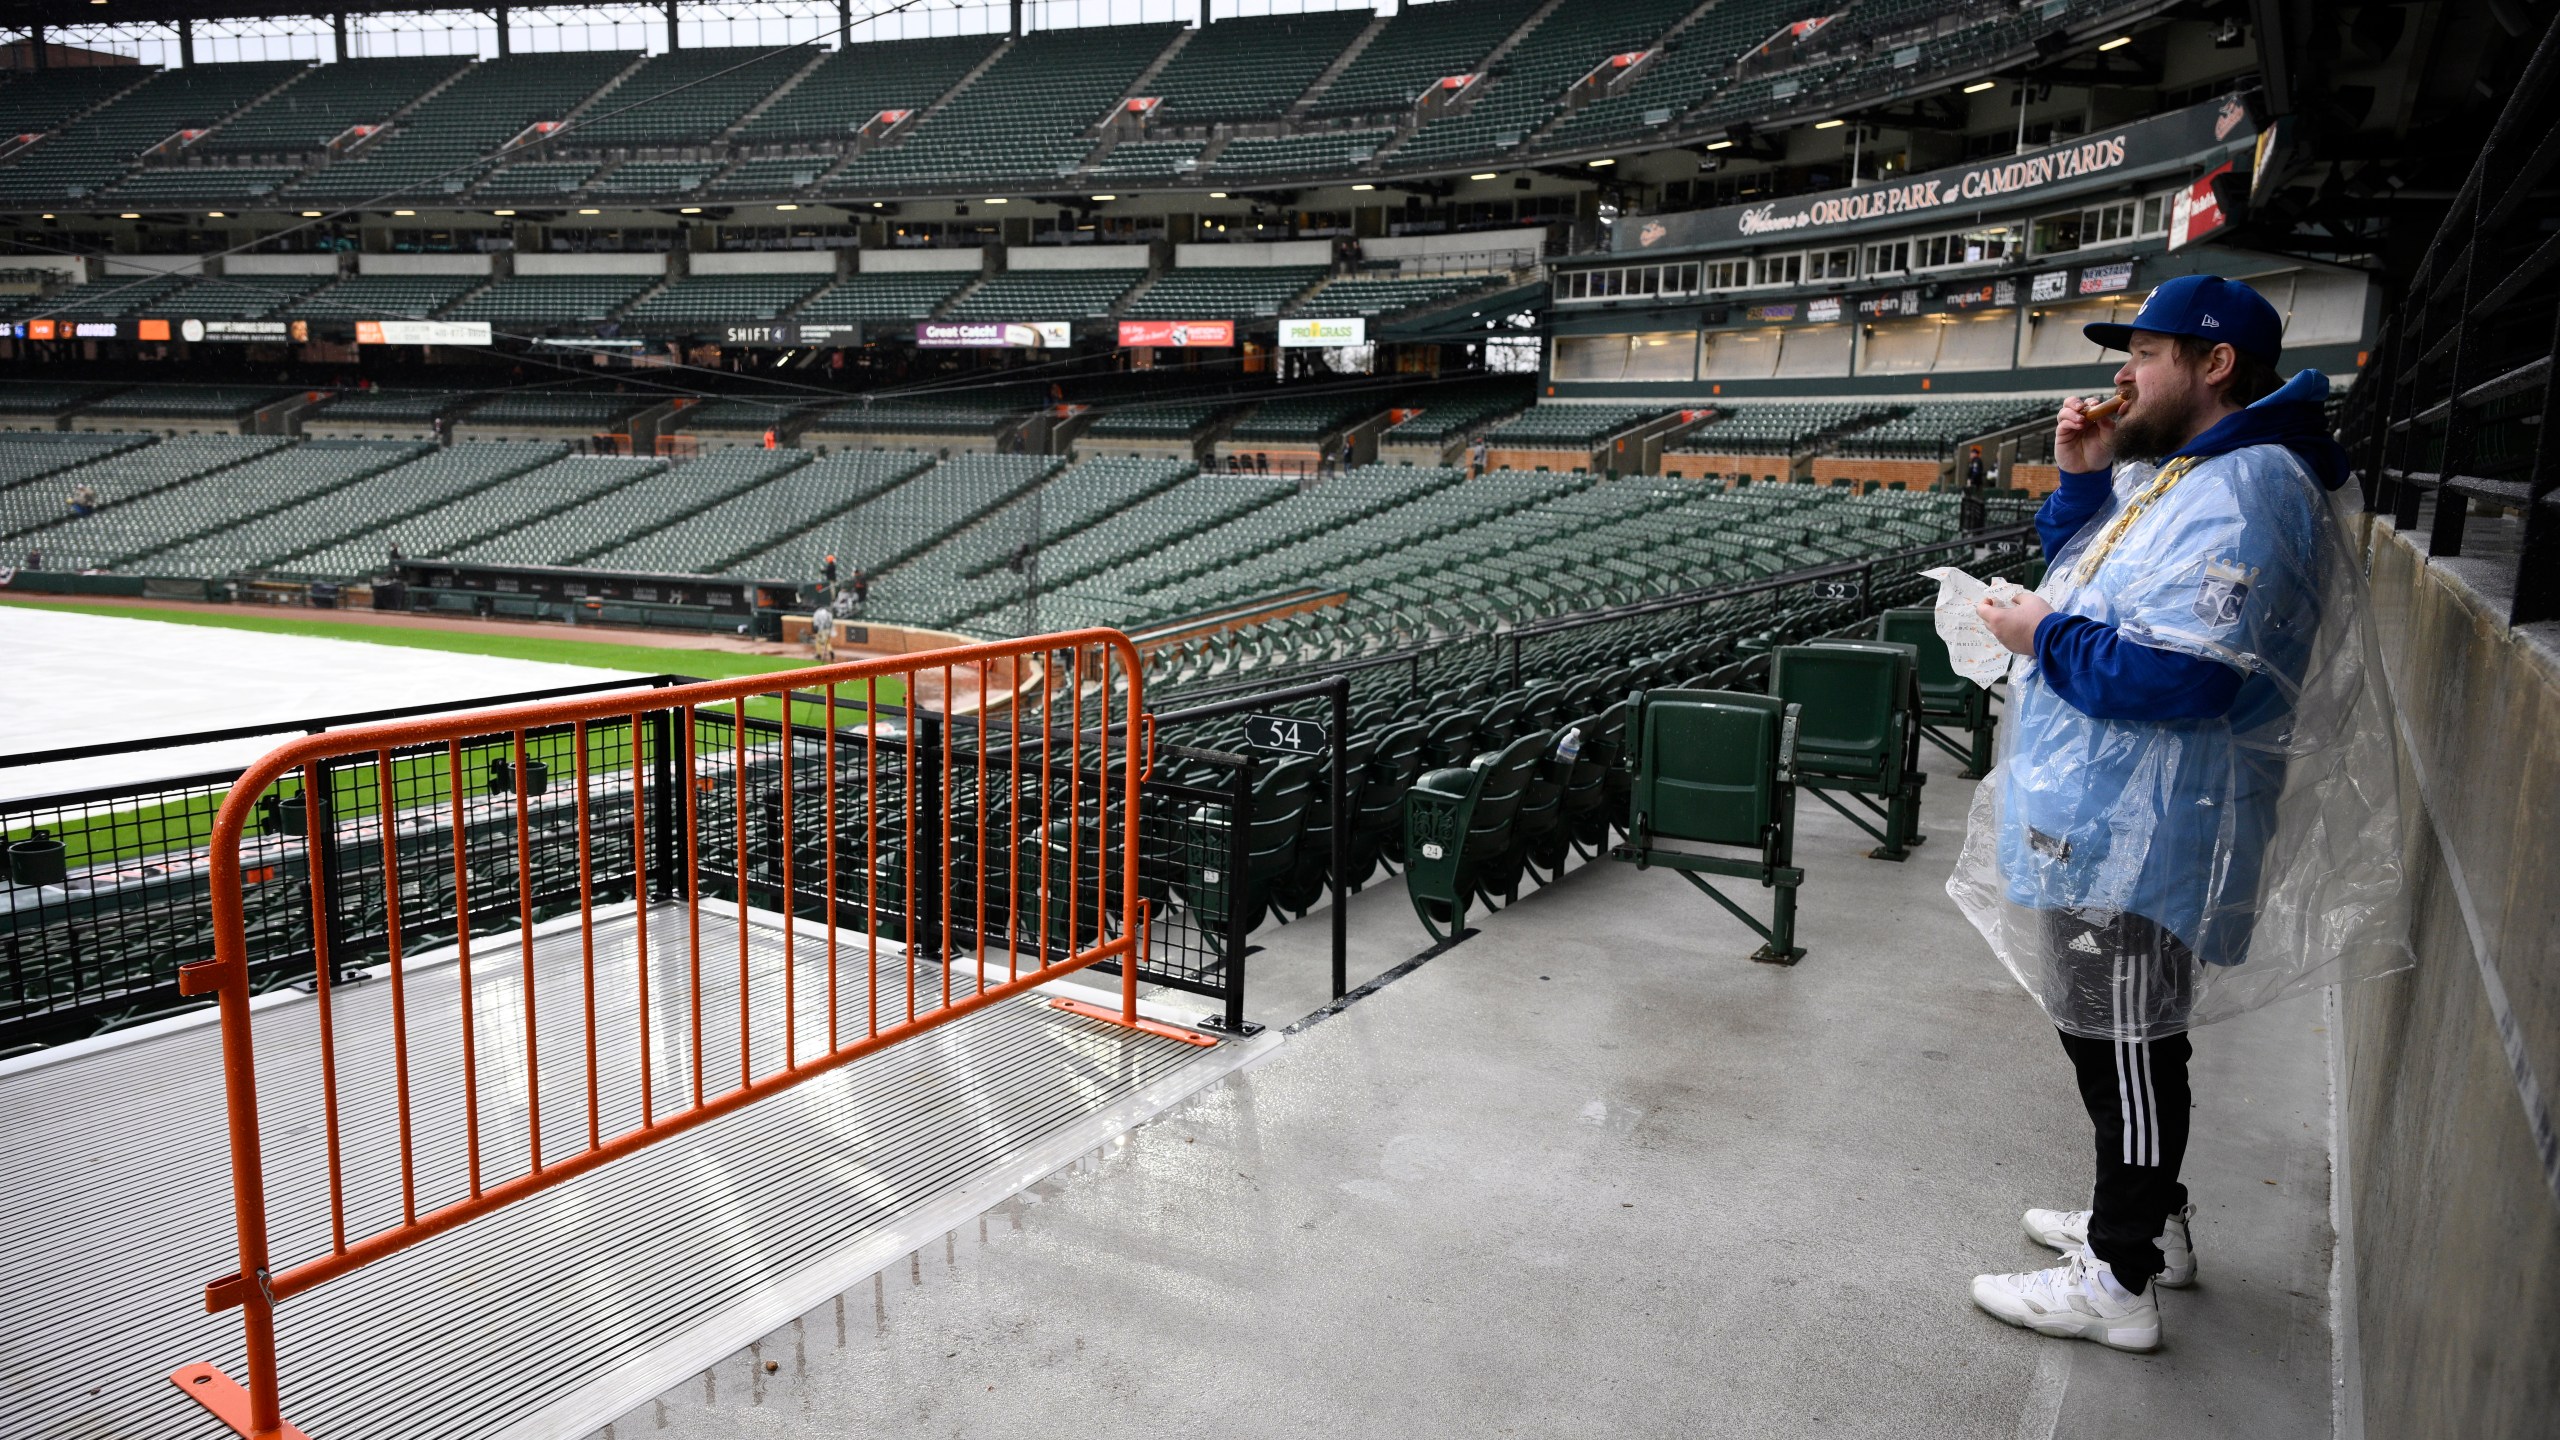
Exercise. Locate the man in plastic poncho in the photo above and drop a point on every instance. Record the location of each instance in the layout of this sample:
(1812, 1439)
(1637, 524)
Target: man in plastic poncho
(2132, 822)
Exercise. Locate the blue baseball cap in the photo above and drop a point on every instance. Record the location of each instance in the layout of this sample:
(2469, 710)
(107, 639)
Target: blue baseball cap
(2207, 307)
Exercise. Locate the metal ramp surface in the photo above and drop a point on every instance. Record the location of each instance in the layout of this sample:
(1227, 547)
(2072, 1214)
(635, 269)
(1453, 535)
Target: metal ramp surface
(116, 1204)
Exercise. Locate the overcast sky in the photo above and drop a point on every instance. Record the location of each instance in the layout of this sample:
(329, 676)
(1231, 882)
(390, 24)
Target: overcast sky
(643, 27)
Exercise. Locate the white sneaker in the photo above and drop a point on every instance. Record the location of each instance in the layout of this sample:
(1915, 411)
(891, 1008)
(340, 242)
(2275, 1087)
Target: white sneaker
(2068, 1230)
(2078, 1299)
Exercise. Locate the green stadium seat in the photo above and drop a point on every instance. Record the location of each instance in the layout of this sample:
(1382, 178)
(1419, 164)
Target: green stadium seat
(1459, 838)
(1946, 698)
(1713, 768)
(1859, 732)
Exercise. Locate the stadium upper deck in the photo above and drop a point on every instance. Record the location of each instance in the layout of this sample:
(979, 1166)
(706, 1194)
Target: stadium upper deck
(1436, 90)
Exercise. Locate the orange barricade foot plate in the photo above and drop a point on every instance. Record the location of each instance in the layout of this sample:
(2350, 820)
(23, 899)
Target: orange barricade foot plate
(208, 1386)
(1152, 1027)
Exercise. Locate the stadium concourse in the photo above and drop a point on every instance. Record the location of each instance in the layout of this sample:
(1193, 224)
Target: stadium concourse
(1385, 841)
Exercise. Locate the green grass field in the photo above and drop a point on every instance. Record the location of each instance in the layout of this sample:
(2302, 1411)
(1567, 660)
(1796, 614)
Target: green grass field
(707, 664)
(142, 831)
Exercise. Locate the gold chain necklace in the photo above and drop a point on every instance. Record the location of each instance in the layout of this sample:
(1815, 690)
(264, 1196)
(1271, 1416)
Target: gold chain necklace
(2170, 474)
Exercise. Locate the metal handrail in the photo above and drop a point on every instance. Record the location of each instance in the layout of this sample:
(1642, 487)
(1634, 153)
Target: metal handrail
(669, 726)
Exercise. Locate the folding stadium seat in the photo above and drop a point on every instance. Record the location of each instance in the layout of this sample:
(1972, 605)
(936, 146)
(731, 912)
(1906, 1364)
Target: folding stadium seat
(1718, 769)
(1281, 795)
(1458, 831)
(1858, 732)
(1946, 697)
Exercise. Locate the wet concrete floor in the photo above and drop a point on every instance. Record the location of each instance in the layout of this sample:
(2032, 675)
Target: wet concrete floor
(1592, 1172)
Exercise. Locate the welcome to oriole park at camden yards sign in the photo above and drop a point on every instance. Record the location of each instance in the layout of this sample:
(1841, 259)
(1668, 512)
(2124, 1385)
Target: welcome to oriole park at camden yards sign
(2198, 135)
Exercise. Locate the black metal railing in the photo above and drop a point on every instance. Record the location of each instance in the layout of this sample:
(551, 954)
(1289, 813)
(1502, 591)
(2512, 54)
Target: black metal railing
(108, 894)
(2460, 405)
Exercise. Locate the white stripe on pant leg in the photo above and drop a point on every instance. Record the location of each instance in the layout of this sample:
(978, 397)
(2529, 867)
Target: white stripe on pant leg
(2149, 1154)
(2149, 1151)
(2124, 1095)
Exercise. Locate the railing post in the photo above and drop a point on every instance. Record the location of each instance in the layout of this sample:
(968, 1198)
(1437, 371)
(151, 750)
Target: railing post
(319, 836)
(924, 833)
(1239, 857)
(667, 863)
(1340, 861)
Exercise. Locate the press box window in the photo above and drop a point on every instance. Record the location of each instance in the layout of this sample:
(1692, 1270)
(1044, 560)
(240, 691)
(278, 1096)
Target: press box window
(1890, 258)
(1780, 270)
(1728, 274)
(1838, 264)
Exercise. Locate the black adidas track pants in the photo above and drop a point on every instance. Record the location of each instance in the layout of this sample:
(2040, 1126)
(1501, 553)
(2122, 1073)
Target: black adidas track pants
(2135, 1090)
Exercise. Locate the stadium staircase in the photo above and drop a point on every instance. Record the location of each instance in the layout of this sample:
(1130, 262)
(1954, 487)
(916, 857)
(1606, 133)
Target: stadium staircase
(1299, 108)
(1425, 110)
(817, 58)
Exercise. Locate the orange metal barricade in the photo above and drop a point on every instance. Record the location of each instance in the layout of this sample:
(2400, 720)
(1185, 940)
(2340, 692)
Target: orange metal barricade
(907, 819)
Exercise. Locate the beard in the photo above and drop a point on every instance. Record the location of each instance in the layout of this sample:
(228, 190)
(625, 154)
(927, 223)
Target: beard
(2148, 432)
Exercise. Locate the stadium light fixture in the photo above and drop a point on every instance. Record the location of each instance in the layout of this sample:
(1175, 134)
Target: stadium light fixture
(590, 212)
(1719, 144)
(1829, 124)
(413, 212)
(1597, 164)
(1217, 194)
(1364, 187)
(2117, 43)
(690, 210)
(213, 215)
(1487, 175)
(48, 217)
(502, 213)
(128, 215)
(997, 200)
(777, 207)
(1106, 197)
(311, 214)
(1978, 86)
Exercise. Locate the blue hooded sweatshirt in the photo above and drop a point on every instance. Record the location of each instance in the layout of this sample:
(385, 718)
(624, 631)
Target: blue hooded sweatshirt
(2091, 664)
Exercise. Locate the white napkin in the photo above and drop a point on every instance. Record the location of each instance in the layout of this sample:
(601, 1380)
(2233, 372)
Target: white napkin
(1975, 652)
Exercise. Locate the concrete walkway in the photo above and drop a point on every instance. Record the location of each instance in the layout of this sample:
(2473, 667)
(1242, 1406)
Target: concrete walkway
(1591, 1172)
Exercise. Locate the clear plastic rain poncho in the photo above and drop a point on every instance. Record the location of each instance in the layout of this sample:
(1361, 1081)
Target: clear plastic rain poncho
(2142, 878)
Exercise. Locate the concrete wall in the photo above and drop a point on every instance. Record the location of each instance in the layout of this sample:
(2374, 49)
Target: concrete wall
(1077, 257)
(1489, 248)
(763, 262)
(425, 265)
(591, 264)
(1261, 253)
(2448, 1069)
(880, 262)
(321, 264)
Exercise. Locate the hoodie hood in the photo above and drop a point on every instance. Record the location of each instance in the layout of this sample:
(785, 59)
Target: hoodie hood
(2292, 418)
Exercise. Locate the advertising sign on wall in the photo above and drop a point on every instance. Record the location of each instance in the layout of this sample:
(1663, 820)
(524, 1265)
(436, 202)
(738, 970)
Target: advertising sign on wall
(422, 332)
(993, 334)
(2077, 166)
(1827, 308)
(2196, 211)
(2050, 285)
(1178, 333)
(2106, 279)
(1298, 334)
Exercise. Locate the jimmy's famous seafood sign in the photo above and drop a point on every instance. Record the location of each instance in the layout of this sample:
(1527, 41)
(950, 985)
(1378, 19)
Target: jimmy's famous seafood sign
(2200, 135)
